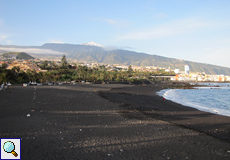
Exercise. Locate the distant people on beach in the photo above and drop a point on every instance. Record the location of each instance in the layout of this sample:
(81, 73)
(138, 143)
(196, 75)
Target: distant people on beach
(6, 86)
(2, 87)
(163, 99)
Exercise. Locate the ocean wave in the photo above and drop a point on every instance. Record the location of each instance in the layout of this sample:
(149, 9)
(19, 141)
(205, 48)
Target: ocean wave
(209, 99)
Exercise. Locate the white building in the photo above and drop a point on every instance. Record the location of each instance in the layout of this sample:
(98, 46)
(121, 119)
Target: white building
(177, 71)
(186, 69)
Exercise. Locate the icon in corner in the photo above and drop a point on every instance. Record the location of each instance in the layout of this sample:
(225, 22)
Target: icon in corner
(10, 148)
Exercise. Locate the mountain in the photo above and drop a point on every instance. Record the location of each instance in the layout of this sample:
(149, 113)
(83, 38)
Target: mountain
(92, 43)
(98, 54)
(17, 55)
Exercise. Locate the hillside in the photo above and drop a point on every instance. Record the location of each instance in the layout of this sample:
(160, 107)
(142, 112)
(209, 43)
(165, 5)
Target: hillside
(17, 55)
(101, 55)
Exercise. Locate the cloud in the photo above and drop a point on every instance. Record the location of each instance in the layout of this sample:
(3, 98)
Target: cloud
(3, 37)
(161, 16)
(31, 50)
(112, 22)
(111, 48)
(117, 23)
(126, 47)
(169, 29)
(217, 56)
(55, 41)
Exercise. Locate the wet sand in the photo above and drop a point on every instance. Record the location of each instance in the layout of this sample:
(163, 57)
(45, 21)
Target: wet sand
(97, 122)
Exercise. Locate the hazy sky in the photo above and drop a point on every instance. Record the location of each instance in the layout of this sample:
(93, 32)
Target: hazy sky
(195, 30)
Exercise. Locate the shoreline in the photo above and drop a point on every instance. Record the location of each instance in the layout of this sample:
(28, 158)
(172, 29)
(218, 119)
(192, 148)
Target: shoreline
(196, 105)
(189, 117)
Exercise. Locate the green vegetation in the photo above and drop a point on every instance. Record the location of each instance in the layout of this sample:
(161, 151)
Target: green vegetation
(19, 55)
(100, 55)
(68, 73)
(118, 56)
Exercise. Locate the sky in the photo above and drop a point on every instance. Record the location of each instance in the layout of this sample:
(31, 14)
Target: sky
(194, 30)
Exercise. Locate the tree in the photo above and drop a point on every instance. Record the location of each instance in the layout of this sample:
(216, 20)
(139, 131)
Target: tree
(111, 77)
(20, 79)
(4, 65)
(29, 74)
(53, 64)
(64, 62)
(69, 66)
(3, 77)
(41, 76)
(16, 69)
(45, 64)
(130, 69)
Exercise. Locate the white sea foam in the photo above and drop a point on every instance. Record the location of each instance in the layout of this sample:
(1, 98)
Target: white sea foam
(209, 99)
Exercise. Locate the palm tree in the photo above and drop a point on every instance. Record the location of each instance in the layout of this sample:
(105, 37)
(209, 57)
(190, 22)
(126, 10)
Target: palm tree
(20, 78)
(45, 77)
(3, 78)
(64, 63)
(111, 76)
(29, 74)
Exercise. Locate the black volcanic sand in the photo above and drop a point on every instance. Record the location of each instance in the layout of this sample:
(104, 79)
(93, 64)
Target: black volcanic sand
(94, 122)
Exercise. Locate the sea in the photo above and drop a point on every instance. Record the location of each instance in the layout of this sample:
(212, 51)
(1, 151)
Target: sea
(211, 97)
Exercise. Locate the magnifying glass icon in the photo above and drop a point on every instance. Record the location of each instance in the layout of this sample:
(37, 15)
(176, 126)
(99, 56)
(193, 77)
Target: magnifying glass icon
(9, 147)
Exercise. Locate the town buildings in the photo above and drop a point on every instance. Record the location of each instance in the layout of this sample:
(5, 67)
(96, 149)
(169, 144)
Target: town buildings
(186, 69)
(24, 65)
(180, 75)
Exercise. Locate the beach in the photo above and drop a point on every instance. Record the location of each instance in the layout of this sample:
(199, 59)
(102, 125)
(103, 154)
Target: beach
(110, 121)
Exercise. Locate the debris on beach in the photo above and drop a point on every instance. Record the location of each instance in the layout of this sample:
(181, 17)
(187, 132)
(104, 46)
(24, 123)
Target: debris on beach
(110, 155)
(28, 115)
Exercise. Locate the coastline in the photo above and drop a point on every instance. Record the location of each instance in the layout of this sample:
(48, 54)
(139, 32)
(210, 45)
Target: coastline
(107, 122)
(211, 99)
(151, 104)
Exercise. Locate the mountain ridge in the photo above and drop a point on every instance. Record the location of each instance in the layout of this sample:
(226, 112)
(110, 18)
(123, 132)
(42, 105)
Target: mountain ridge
(98, 54)
(18, 55)
(92, 43)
